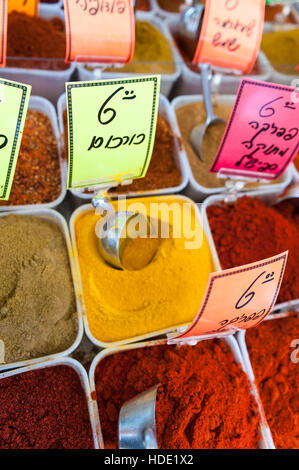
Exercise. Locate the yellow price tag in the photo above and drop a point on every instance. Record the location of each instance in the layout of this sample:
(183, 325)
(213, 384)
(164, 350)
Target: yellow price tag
(111, 129)
(14, 98)
(26, 6)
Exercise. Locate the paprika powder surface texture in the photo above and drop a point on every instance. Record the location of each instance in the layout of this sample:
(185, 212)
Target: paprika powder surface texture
(31, 39)
(37, 178)
(204, 400)
(44, 409)
(276, 368)
(249, 230)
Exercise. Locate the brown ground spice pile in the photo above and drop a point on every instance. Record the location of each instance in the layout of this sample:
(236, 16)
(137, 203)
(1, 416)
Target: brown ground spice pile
(162, 172)
(194, 114)
(37, 178)
(37, 301)
(206, 401)
(277, 377)
(35, 37)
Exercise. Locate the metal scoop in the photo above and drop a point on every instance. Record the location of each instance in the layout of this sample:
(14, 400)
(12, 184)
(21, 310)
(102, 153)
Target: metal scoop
(198, 132)
(137, 422)
(117, 243)
(190, 19)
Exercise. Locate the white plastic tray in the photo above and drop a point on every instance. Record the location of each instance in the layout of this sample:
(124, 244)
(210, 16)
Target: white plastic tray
(47, 83)
(164, 14)
(269, 196)
(165, 111)
(189, 82)
(241, 339)
(265, 442)
(153, 334)
(195, 190)
(79, 369)
(41, 104)
(295, 174)
(58, 219)
(167, 80)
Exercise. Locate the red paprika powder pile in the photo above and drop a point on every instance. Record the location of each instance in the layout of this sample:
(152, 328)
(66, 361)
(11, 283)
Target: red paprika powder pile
(277, 376)
(249, 230)
(32, 37)
(204, 400)
(44, 409)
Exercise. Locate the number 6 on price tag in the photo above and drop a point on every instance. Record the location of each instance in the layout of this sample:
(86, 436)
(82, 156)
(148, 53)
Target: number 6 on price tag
(238, 298)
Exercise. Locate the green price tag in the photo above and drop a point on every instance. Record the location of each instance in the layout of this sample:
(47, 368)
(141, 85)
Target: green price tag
(111, 129)
(14, 98)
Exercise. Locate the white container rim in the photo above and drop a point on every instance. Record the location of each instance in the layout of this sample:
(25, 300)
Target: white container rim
(144, 337)
(59, 220)
(165, 110)
(264, 195)
(234, 347)
(81, 372)
(39, 103)
(183, 100)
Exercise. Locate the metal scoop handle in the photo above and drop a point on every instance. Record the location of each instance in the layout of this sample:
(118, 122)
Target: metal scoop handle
(206, 77)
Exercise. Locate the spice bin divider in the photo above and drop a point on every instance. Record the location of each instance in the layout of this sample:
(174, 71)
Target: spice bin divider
(241, 339)
(145, 337)
(189, 82)
(195, 190)
(295, 173)
(38, 103)
(167, 80)
(55, 217)
(269, 197)
(265, 442)
(165, 111)
(81, 372)
(47, 83)
(57, 5)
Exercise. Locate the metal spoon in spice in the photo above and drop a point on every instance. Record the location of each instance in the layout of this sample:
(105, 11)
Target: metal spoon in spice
(117, 241)
(198, 132)
(137, 422)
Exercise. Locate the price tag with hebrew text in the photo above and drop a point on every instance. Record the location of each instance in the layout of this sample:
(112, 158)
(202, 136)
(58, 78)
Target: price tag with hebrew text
(14, 98)
(99, 30)
(25, 6)
(111, 129)
(262, 135)
(231, 34)
(238, 298)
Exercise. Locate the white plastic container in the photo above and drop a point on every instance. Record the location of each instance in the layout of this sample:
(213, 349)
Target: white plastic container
(270, 197)
(278, 77)
(189, 82)
(56, 5)
(195, 190)
(167, 80)
(58, 219)
(164, 110)
(241, 338)
(47, 83)
(153, 334)
(295, 174)
(80, 371)
(38, 103)
(265, 442)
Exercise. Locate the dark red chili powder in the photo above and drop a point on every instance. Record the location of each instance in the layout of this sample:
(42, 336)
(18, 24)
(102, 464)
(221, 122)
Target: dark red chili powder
(277, 377)
(204, 400)
(31, 37)
(44, 409)
(250, 231)
(37, 178)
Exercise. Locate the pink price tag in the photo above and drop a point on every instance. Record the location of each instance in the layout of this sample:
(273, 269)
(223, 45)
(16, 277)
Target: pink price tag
(231, 34)
(261, 138)
(238, 298)
(99, 30)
